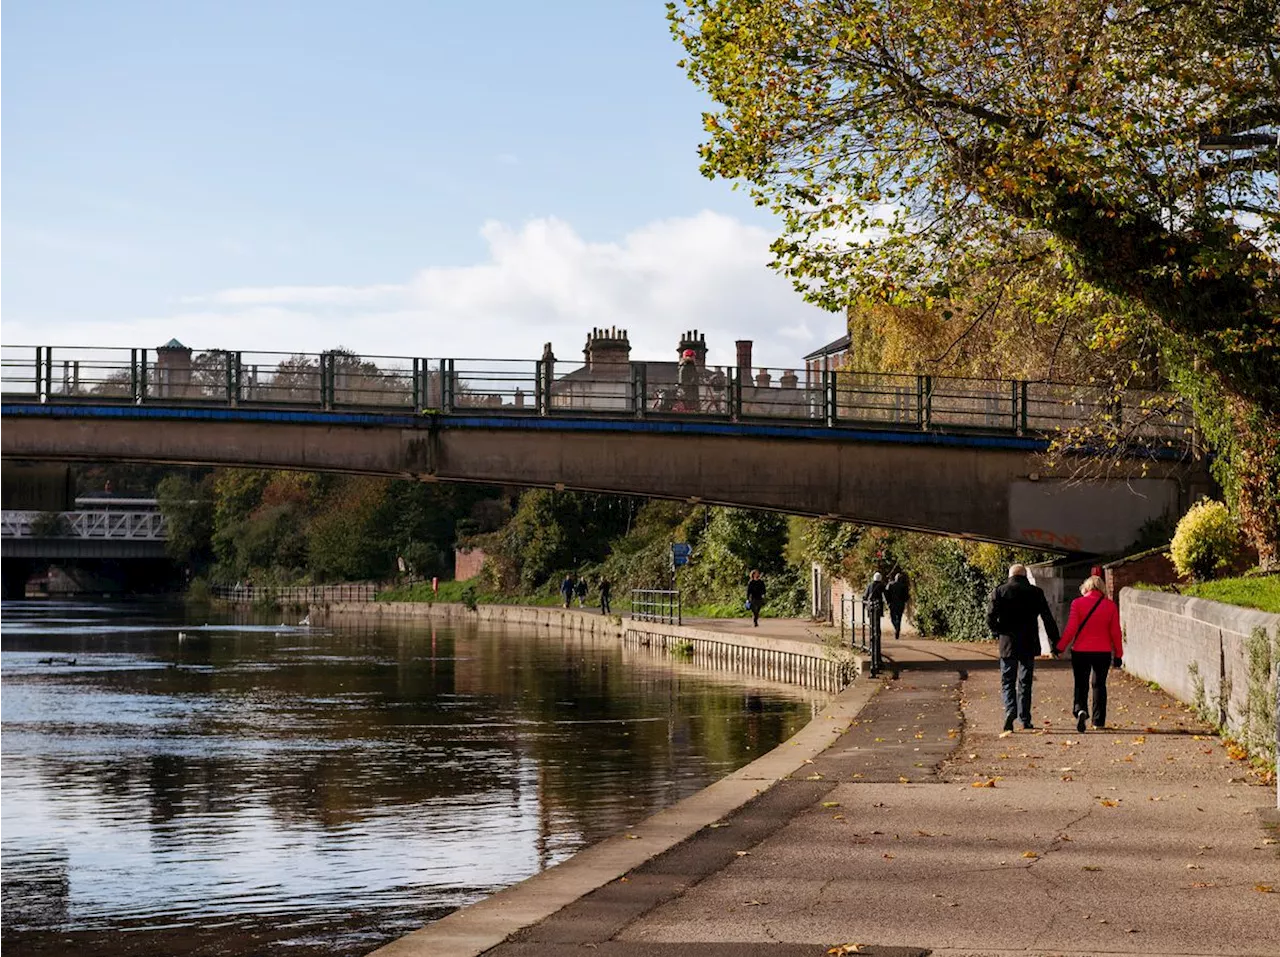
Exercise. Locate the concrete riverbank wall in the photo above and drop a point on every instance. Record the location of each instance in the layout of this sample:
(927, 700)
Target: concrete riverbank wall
(803, 663)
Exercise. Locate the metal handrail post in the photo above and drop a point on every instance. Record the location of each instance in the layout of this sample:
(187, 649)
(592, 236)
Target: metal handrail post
(326, 380)
(1022, 421)
(142, 376)
(735, 405)
(679, 608)
(447, 385)
(539, 392)
(928, 402)
(639, 388)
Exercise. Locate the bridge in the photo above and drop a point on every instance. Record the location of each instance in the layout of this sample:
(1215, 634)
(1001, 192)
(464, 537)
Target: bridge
(101, 533)
(948, 455)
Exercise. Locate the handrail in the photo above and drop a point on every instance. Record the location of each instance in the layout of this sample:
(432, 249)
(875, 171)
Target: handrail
(547, 388)
(659, 605)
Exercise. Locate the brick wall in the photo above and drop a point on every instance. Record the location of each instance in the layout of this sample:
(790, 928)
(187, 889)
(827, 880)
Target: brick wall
(467, 563)
(1152, 568)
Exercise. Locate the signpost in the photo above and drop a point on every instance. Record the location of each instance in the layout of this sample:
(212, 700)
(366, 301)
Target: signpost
(680, 552)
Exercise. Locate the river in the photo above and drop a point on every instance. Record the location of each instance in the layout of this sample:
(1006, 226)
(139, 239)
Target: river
(228, 787)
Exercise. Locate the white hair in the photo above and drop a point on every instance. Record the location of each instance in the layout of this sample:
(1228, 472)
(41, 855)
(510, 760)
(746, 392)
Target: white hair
(1017, 568)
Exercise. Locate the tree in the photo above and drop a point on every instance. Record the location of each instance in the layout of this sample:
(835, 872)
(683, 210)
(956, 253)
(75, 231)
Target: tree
(188, 510)
(913, 145)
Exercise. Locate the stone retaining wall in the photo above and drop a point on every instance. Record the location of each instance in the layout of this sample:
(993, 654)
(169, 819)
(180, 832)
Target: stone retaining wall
(806, 664)
(1198, 651)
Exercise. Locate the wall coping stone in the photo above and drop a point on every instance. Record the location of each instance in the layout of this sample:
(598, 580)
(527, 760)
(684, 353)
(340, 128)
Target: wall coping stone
(1228, 617)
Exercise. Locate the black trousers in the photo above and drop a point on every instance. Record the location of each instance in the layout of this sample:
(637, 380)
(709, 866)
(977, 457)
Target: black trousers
(1090, 668)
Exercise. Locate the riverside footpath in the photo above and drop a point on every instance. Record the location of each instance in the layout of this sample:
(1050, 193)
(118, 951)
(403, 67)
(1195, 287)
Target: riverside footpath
(902, 821)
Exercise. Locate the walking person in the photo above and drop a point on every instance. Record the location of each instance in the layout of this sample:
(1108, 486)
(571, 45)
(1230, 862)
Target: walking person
(896, 595)
(755, 596)
(566, 589)
(1013, 612)
(1093, 637)
(606, 591)
(687, 380)
(873, 599)
(580, 589)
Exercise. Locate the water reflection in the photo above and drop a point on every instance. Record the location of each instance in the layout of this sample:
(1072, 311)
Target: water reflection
(248, 788)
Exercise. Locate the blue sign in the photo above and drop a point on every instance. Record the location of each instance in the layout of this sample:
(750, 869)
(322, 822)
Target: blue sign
(680, 552)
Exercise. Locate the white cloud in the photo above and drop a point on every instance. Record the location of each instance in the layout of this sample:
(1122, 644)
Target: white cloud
(541, 281)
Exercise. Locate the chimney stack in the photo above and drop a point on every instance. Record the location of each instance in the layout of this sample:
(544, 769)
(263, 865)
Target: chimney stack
(608, 352)
(744, 360)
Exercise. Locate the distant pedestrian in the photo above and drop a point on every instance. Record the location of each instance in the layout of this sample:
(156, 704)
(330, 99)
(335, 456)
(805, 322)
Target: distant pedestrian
(580, 589)
(873, 599)
(896, 595)
(606, 592)
(687, 380)
(755, 596)
(1012, 615)
(1092, 636)
(566, 589)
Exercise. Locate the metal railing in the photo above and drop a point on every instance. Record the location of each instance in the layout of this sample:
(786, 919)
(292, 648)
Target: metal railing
(548, 387)
(136, 526)
(295, 594)
(864, 630)
(656, 605)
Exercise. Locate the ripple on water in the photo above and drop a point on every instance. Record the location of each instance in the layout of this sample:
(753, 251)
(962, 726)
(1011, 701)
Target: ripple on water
(244, 793)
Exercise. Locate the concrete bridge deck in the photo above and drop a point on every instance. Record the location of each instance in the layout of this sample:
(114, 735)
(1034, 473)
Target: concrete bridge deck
(903, 821)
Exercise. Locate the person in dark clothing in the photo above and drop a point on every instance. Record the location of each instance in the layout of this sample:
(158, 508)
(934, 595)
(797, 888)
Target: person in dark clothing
(755, 596)
(580, 589)
(896, 596)
(606, 591)
(566, 590)
(873, 598)
(1012, 615)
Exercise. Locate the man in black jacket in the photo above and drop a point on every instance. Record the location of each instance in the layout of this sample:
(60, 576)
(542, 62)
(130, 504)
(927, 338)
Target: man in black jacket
(1015, 608)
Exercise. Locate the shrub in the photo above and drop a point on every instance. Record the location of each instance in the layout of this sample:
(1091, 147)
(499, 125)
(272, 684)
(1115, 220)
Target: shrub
(1205, 541)
(469, 597)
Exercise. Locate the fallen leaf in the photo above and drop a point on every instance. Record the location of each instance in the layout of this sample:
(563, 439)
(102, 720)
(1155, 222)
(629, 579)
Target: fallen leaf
(903, 780)
(830, 803)
(846, 949)
(1194, 867)
(989, 783)
(742, 853)
(633, 837)
(1032, 854)
(887, 857)
(717, 825)
(1264, 888)
(753, 903)
(1109, 803)
(813, 777)
(1140, 739)
(1090, 867)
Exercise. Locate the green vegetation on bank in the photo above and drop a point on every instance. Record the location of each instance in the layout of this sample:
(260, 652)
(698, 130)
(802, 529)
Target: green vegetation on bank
(276, 529)
(1257, 591)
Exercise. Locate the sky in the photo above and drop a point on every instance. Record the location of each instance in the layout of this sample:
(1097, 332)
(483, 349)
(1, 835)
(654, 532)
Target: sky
(396, 177)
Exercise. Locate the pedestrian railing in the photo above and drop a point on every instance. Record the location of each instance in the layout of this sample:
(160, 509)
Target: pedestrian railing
(656, 605)
(860, 625)
(549, 387)
(295, 594)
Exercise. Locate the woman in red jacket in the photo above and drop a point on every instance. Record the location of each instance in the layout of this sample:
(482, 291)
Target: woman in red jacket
(1093, 637)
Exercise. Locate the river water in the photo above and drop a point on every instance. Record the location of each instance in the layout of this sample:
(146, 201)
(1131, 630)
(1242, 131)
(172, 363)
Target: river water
(226, 787)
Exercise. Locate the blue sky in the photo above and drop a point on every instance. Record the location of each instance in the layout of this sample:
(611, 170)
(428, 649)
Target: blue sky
(393, 176)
